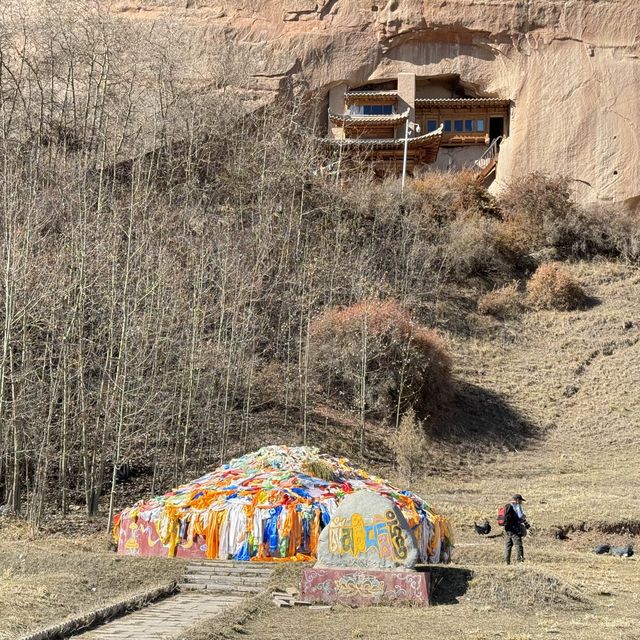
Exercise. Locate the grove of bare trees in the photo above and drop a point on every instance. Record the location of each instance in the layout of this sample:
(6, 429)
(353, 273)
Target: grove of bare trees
(167, 242)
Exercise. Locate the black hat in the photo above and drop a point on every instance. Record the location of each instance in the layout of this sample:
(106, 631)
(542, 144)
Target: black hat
(518, 497)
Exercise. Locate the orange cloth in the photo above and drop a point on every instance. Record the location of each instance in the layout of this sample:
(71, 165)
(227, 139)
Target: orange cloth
(213, 533)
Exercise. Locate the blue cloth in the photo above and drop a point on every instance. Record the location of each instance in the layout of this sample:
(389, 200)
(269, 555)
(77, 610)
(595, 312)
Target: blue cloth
(306, 534)
(325, 514)
(244, 553)
(270, 536)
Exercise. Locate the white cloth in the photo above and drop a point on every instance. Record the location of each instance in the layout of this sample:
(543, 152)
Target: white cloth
(233, 531)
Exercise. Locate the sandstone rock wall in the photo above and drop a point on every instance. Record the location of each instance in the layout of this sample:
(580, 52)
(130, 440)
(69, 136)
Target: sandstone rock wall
(571, 67)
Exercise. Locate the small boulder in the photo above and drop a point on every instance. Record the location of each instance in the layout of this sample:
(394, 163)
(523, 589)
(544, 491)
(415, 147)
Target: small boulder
(367, 531)
(623, 552)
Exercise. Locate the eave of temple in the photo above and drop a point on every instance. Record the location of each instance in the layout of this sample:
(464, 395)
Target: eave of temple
(365, 121)
(370, 97)
(427, 145)
(462, 103)
(428, 139)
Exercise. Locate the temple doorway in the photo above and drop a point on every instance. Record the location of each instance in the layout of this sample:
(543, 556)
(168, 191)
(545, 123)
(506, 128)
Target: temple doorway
(496, 127)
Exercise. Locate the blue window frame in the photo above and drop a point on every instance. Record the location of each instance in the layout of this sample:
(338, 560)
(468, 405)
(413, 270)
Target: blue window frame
(458, 125)
(480, 126)
(377, 109)
(432, 125)
(447, 126)
(468, 126)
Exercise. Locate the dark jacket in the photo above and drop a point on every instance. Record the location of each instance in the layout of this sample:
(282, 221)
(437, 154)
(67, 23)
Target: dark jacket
(513, 523)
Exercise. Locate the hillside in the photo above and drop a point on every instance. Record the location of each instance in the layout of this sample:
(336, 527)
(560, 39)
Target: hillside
(570, 69)
(188, 274)
(578, 469)
(574, 375)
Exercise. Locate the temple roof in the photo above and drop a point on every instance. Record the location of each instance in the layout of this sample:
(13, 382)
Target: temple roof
(431, 139)
(356, 97)
(462, 102)
(343, 119)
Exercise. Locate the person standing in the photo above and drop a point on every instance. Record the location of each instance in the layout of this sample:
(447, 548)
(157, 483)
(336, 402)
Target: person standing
(515, 528)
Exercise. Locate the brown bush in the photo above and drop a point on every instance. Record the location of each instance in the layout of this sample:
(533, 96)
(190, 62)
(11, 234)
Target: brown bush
(612, 233)
(445, 196)
(472, 248)
(503, 302)
(553, 287)
(538, 212)
(371, 356)
(539, 197)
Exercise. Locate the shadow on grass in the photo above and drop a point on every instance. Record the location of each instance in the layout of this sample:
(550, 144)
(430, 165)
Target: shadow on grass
(447, 583)
(591, 302)
(482, 417)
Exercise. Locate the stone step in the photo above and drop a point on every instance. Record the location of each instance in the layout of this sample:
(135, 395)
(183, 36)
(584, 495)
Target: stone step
(233, 563)
(224, 571)
(223, 567)
(213, 586)
(239, 579)
(230, 581)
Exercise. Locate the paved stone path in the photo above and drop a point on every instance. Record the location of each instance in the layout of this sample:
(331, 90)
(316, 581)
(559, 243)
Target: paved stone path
(165, 619)
(209, 587)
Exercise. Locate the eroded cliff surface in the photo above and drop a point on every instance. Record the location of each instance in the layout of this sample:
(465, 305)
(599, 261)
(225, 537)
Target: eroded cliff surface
(571, 68)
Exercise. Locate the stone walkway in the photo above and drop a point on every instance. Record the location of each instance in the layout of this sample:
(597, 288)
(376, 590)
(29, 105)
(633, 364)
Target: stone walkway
(165, 619)
(209, 587)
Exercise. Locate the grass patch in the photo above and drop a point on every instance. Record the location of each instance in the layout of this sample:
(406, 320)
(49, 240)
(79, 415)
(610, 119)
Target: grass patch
(47, 581)
(522, 586)
(503, 302)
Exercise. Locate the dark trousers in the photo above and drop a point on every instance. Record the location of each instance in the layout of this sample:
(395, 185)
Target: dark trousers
(513, 540)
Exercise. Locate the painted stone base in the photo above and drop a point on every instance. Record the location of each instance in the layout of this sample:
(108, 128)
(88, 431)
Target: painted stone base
(361, 587)
(141, 539)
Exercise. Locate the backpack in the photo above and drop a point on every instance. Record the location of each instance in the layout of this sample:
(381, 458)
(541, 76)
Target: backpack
(502, 515)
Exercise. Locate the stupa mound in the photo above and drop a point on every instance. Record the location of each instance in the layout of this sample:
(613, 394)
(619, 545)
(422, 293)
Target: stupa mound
(269, 505)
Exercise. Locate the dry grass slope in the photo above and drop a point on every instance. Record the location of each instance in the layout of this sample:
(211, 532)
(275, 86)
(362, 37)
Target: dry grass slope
(48, 580)
(571, 378)
(580, 472)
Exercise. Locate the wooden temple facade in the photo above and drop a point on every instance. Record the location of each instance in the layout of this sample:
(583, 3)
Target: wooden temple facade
(371, 122)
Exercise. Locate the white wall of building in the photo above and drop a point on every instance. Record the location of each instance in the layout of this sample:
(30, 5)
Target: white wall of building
(456, 158)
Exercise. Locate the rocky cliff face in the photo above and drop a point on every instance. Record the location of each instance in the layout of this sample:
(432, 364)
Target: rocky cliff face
(571, 67)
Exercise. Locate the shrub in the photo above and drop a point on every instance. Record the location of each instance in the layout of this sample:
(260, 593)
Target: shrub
(408, 444)
(503, 302)
(372, 356)
(553, 287)
(473, 249)
(611, 233)
(446, 195)
(539, 198)
(538, 212)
